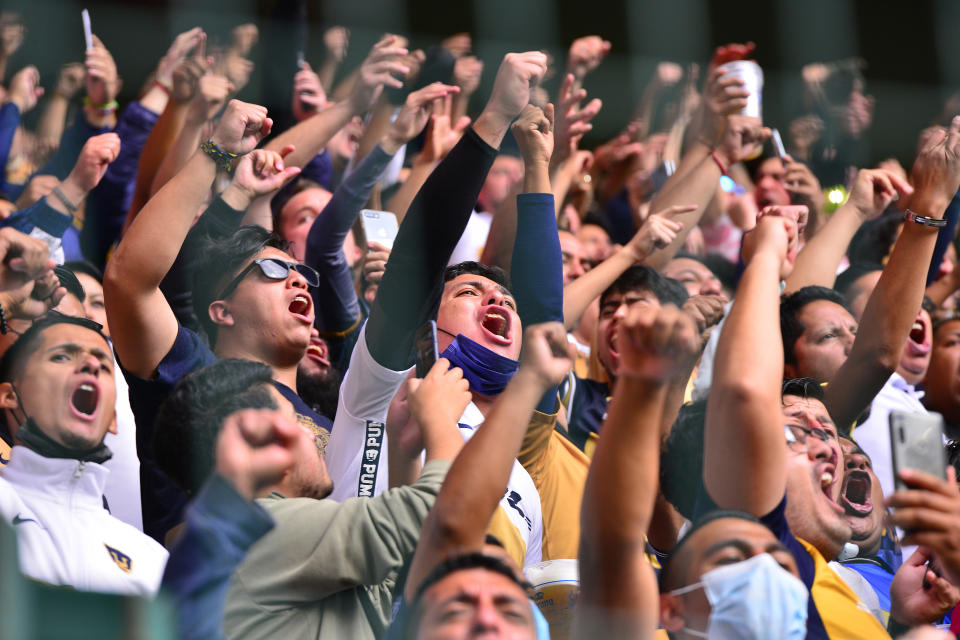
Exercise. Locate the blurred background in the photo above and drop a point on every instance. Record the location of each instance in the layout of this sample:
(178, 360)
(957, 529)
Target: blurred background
(909, 50)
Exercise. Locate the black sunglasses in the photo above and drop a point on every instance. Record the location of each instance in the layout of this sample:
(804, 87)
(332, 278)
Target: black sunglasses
(275, 269)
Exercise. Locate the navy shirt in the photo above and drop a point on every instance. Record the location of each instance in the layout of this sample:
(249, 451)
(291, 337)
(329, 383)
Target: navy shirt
(163, 500)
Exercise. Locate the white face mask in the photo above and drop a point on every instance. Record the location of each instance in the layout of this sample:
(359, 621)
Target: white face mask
(752, 600)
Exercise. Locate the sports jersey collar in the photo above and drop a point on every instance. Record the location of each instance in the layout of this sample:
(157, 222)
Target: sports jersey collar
(59, 479)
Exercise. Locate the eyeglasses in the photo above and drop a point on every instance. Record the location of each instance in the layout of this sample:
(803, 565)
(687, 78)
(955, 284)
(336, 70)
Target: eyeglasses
(275, 269)
(797, 436)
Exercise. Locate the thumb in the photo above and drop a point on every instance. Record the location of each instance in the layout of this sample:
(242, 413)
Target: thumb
(919, 557)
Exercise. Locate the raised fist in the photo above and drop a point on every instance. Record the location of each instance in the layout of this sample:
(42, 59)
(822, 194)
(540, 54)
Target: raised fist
(242, 127)
(511, 89)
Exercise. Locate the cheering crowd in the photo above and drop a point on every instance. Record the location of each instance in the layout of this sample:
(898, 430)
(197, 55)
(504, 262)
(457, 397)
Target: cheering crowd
(654, 384)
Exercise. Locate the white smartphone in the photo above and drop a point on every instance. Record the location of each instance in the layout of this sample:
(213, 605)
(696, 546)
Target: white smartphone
(778, 144)
(916, 442)
(379, 226)
(87, 31)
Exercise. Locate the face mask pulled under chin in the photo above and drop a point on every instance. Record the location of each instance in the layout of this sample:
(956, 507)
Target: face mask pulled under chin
(752, 600)
(487, 372)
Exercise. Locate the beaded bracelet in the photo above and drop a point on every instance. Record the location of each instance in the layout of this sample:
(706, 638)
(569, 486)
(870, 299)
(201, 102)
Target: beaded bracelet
(101, 109)
(224, 159)
(3, 322)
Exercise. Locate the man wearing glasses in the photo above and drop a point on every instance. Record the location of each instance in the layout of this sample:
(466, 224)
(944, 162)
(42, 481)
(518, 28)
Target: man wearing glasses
(252, 299)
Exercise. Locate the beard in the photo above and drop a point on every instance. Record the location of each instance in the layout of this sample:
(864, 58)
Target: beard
(321, 391)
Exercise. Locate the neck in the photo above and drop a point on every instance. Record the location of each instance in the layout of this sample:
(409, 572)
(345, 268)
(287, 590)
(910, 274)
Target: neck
(483, 403)
(286, 374)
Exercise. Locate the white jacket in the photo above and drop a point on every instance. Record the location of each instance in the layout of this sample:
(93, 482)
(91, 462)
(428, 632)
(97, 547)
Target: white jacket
(64, 534)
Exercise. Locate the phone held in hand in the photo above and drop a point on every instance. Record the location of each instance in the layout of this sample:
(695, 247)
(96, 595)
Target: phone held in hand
(379, 226)
(87, 31)
(778, 145)
(916, 442)
(425, 347)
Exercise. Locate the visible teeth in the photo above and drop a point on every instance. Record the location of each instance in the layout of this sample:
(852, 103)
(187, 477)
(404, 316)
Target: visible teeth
(826, 478)
(917, 326)
(86, 387)
(298, 298)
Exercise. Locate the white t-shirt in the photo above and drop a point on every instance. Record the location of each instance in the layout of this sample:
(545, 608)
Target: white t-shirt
(123, 484)
(474, 238)
(356, 455)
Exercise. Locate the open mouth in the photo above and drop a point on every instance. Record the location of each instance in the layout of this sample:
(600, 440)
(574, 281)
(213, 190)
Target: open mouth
(300, 306)
(84, 399)
(317, 351)
(918, 345)
(855, 495)
(496, 322)
(827, 479)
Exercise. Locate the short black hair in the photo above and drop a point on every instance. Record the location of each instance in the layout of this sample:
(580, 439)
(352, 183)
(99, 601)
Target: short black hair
(844, 284)
(218, 260)
(802, 388)
(473, 560)
(189, 420)
(681, 458)
(494, 273)
(668, 579)
(69, 280)
(644, 278)
(82, 266)
(283, 196)
(791, 305)
(11, 367)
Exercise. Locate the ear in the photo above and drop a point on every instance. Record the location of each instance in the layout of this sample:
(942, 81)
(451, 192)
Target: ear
(113, 423)
(671, 613)
(8, 397)
(219, 312)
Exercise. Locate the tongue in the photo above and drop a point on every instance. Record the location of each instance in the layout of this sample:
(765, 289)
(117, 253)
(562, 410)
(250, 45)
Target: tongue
(298, 306)
(495, 324)
(84, 400)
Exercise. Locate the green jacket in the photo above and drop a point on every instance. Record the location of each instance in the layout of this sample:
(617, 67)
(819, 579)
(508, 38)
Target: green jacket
(328, 569)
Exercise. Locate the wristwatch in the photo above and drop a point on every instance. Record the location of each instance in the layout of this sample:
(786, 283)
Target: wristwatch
(910, 216)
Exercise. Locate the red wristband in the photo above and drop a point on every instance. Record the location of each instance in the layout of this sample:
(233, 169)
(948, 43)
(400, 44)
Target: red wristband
(162, 86)
(723, 169)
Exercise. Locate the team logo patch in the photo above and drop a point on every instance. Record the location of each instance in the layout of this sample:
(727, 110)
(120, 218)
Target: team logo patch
(120, 558)
(370, 462)
(320, 435)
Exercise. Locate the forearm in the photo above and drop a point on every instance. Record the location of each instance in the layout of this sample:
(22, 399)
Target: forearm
(817, 262)
(405, 194)
(613, 527)
(155, 149)
(152, 243)
(327, 72)
(376, 128)
(745, 455)
(890, 313)
(498, 251)
(53, 119)
(312, 135)
(154, 99)
(944, 238)
(578, 295)
(335, 297)
(698, 186)
(187, 142)
(468, 499)
(413, 280)
(403, 470)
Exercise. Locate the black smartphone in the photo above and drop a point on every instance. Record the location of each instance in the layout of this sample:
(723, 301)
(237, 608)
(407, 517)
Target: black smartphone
(916, 442)
(425, 347)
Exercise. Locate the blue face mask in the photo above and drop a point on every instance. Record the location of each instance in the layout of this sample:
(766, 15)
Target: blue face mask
(487, 372)
(753, 599)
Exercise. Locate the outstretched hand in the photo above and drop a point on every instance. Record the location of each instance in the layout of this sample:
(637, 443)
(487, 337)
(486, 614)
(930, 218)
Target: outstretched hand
(658, 231)
(874, 190)
(380, 68)
(415, 114)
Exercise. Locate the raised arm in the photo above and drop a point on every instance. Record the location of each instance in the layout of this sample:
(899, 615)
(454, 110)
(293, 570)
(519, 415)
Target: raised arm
(618, 590)
(744, 452)
(478, 477)
(895, 301)
(741, 137)
(312, 135)
(658, 230)
(439, 214)
(145, 327)
(820, 257)
(335, 298)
